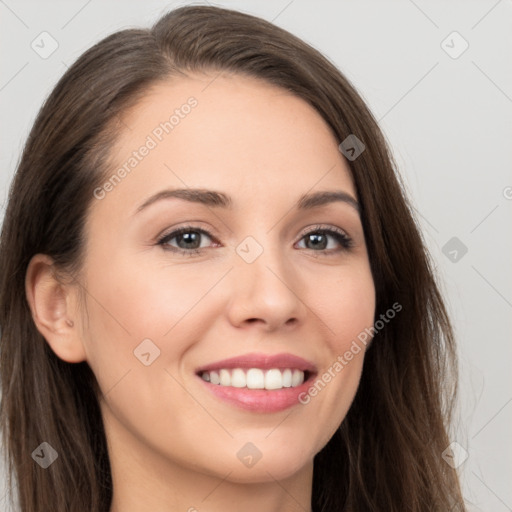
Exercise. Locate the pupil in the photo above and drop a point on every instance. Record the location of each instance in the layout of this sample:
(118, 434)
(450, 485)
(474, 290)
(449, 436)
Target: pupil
(316, 238)
(189, 238)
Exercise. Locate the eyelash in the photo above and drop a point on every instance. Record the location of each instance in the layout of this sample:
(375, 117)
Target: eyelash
(345, 241)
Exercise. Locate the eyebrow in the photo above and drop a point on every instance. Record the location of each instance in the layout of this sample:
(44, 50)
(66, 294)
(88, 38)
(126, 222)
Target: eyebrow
(212, 198)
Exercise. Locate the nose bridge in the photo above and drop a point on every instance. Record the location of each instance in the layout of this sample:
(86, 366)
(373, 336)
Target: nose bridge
(263, 281)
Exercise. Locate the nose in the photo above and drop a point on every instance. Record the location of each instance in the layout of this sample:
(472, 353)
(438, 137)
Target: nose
(265, 292)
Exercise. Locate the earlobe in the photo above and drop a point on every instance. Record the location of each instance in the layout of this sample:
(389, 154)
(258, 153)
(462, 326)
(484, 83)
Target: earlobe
(50, 303)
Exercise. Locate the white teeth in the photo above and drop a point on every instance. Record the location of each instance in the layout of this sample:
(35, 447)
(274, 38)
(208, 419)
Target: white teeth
(297, 378)
(238, 379)
(273, 379)
(225, 378)
(287, 378)
(255, 378)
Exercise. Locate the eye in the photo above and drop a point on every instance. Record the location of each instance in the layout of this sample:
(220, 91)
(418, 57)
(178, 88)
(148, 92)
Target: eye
(187, 239)
(318, 238)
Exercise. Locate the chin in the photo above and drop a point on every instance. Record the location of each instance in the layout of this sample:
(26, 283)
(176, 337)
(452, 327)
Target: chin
(272, 460)
(275, 467)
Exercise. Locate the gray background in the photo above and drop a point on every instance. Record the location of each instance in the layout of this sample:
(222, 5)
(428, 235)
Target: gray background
(448, 120)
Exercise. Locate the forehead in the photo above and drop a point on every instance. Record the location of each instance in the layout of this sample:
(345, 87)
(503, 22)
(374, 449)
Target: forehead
(226, 132)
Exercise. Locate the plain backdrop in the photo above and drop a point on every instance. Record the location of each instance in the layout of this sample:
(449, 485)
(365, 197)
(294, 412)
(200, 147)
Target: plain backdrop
(444, 102)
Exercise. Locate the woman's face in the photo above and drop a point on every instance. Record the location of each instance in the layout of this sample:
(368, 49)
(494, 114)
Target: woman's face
(281, 285)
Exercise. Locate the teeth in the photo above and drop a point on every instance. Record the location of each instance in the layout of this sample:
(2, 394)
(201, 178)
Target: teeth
(225, 378)
(238, 379)
(273, 379)
(297, 378)
(287, 378)
(255, 378)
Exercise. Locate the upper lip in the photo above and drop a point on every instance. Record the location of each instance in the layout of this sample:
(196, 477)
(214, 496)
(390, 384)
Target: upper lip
(263, 361)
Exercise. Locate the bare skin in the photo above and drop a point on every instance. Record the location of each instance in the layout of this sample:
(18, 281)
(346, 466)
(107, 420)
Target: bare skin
(173, 444)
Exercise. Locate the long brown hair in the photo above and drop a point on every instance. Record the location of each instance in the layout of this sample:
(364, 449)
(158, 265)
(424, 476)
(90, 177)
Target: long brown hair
(386, 454)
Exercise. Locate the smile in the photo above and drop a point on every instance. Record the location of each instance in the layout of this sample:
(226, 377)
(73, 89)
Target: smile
(258, 382)
(256, 378)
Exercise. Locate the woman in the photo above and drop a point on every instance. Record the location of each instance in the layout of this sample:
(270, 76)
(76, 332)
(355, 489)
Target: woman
(300, 358)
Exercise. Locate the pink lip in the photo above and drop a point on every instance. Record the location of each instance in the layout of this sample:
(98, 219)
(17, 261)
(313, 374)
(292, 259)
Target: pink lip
(263, 361)
(260, 400)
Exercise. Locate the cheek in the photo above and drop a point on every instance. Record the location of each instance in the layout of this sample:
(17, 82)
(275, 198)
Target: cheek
(129, 303)
(347, 306)
(348, 312)
(137, 302)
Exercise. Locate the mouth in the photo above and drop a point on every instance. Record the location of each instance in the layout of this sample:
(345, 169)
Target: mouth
(257, 378)
(259, 382)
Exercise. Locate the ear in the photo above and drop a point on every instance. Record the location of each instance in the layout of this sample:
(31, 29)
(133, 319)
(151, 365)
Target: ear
(52, 305)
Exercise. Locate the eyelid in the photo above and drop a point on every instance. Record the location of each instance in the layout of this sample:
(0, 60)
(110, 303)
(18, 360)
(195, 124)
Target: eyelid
(324, 227)
(209, 231)
(161, 239)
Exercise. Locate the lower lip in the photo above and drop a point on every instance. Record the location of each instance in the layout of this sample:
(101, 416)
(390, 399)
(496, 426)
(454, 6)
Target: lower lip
(259, 400)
